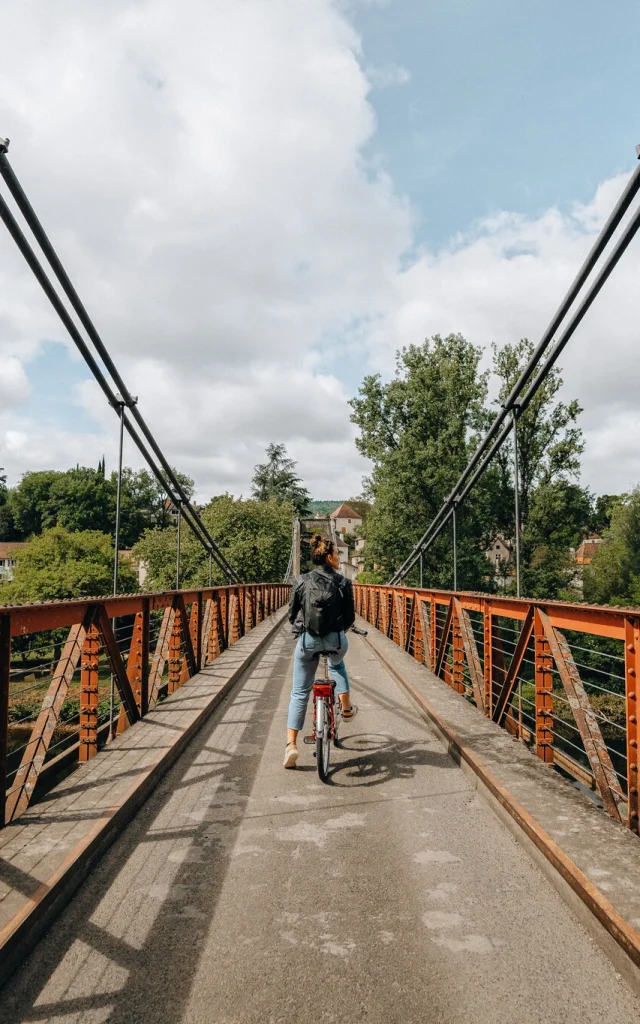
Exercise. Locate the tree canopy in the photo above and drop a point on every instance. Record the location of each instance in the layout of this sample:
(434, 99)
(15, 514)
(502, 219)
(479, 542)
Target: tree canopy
(62, 564)
(613, 577)
(555, 512)
(420, 429)
(83, 499)
(276, 480)
(255, 537)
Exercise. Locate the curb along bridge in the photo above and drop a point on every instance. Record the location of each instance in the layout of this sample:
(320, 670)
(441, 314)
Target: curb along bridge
(478, 833)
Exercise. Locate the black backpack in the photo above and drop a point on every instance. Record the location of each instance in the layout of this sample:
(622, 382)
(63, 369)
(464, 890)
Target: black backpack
(322, 602)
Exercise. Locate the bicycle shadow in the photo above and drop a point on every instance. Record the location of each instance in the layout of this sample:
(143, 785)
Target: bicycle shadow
(382, 758)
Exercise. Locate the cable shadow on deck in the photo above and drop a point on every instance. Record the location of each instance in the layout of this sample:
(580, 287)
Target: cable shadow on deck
(128, 946)
(379, 758)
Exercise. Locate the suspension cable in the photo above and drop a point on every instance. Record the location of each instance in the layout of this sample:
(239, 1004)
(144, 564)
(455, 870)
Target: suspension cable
(165, 476)
(520, 396)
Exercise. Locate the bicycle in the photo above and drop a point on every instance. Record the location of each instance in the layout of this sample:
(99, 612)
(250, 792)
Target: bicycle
(327, 712)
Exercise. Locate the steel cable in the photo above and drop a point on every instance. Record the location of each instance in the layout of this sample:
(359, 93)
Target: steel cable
(482, 458)
(174, 488)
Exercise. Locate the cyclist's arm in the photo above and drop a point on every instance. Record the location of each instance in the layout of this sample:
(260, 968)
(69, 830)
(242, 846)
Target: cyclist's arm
(348, 605)
(295, 603)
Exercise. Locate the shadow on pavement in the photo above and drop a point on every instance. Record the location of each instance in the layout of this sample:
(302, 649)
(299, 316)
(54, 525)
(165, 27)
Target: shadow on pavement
(379, 758)
(128, 946)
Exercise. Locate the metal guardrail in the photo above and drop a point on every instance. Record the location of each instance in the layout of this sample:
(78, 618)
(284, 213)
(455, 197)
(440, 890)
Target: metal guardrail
(75, 673)
(561, 677)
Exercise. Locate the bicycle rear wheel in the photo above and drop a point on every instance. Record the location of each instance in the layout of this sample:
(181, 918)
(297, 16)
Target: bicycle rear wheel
(323, 743)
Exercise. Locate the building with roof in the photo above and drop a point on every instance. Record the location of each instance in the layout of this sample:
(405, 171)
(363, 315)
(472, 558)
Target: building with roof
(588, 548)
(499, 552)
(345, 519)
(8, 552)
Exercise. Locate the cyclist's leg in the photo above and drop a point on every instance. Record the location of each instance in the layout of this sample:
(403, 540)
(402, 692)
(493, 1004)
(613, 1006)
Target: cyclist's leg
(305, 660)
(338, 671)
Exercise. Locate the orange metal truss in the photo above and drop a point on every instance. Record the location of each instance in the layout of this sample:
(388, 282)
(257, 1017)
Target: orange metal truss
(196, 626)
(434, 626)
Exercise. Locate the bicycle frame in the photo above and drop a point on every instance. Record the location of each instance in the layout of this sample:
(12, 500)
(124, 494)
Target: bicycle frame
(325, 722)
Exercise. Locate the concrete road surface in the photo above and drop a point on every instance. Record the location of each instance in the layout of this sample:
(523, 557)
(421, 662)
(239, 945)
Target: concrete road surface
(242, 893)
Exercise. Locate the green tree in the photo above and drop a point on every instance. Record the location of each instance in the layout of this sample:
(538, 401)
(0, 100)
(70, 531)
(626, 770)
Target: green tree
(359, 505)
(419, 431)
(554, 511)
(613, 577)
(83, 499)
(603, 510)
(558, 517)
(276, 480)
(7, 525)
(80, 499)
(549, 441)
(29, 501)
(255, 537)
(63, 564)
(144, 503)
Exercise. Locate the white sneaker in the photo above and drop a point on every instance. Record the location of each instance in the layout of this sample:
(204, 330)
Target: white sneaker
(290, 756)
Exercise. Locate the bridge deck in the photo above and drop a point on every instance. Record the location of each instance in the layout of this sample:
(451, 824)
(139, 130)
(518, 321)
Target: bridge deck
(244, 893)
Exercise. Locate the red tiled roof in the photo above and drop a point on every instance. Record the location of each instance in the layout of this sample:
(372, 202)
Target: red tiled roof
(587, 549)
(345, 512)
(9, 547)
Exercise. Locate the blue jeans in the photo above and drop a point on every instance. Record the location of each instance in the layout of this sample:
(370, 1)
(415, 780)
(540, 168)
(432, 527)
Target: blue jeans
(305, 659)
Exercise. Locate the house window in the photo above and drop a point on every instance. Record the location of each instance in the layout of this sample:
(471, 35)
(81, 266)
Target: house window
(348, 520)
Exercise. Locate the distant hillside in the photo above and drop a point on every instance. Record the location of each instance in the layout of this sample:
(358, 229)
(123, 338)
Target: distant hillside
(323, 508)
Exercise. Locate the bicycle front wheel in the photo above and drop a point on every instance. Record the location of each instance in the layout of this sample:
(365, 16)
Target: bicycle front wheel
(323, 743)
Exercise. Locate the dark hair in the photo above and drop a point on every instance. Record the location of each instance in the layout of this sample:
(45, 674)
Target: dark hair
(321, 548)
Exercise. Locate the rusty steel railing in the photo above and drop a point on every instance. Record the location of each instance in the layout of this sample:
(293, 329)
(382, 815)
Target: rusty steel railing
(57, 662)
(561, 677)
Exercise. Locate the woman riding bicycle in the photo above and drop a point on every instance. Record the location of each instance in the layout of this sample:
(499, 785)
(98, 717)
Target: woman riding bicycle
(321, 610)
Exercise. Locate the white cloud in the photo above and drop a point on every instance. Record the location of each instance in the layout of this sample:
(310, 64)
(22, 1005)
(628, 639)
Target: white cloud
(14, 385)
(387, 76)
(503, 281)
(199, 167)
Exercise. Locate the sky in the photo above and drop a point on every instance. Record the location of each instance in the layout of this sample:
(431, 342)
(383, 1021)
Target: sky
(260, 201)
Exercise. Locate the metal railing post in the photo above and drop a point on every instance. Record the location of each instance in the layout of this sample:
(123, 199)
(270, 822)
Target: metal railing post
(455, 552)
(5, 675)
(516, 495)
(178, 546)
(632, 668)
(89, 681)
(119, 407)
(421, 567)
(543, 693)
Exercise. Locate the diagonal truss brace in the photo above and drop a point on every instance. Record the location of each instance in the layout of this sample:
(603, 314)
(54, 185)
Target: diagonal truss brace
(590, 732)
(47, 721)
(509, 683)
(442, 647)
(471, 653)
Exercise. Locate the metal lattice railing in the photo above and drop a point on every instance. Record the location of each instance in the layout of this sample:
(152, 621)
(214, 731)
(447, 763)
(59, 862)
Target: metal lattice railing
(561, 677)
(73, 674)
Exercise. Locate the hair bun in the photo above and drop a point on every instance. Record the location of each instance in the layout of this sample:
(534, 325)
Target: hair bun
(321, 548)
